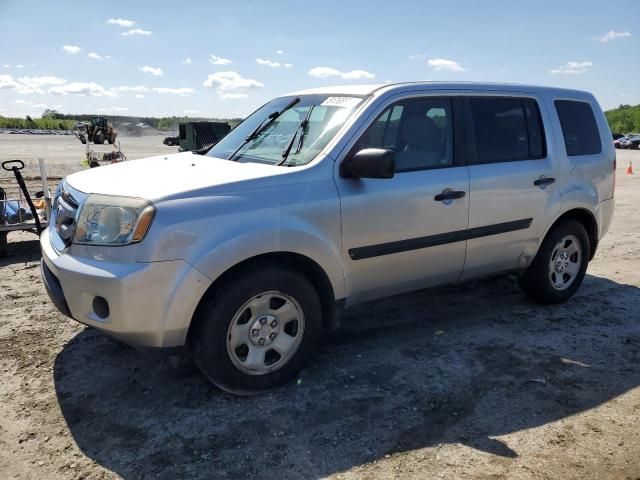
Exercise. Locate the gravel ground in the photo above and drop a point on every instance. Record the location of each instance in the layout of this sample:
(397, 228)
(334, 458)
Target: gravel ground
(463, 381)
(64, 154)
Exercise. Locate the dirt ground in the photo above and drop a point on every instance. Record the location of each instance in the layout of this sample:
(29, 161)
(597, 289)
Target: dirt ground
(464, 381)
(64, 154)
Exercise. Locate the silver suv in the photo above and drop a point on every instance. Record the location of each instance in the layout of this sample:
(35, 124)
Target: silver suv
(325, 198)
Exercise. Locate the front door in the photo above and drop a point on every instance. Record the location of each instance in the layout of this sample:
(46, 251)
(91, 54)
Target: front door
(407, 232)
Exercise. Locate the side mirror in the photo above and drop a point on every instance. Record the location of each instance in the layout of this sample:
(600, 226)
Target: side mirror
(369, 163)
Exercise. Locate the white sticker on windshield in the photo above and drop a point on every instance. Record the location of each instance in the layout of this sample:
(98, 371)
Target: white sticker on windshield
(342, 102)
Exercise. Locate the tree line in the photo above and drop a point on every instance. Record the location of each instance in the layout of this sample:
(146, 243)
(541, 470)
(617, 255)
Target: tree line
(624, 119)
(52, 120)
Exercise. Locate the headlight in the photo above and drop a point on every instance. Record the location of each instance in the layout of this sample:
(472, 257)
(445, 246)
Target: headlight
(109, 220)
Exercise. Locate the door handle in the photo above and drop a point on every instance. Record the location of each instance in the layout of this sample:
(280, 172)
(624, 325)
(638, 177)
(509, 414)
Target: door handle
(544, 181)
(449, 195)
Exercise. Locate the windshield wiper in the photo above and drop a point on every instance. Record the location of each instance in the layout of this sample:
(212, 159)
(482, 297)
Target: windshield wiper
(266, 123)
(304, 124)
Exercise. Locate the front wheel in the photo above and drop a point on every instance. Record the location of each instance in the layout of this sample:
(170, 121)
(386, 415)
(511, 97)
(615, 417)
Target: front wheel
(257, 330)
(560, 265)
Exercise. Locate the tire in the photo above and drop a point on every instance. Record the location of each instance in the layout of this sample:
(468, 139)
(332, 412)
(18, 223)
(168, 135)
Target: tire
(226, 311)
(98, 138)
(557, 271)
(4, 246)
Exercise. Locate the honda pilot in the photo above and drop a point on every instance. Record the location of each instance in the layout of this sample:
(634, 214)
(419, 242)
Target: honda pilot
(244, 254)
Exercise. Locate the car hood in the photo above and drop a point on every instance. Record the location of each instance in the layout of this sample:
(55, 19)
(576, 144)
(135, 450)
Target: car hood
(168, 176)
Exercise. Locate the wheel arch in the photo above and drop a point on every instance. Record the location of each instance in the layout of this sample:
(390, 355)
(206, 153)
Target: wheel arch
(331, 308)
(588, 221)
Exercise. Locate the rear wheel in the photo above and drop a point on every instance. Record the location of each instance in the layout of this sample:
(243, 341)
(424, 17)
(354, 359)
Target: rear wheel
(560, 265)
(257, 330)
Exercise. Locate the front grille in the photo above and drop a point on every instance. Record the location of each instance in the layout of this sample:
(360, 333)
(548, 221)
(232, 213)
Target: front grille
(65, 209)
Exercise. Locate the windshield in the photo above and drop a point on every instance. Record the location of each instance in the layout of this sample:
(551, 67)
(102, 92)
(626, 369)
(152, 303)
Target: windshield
(268, 134)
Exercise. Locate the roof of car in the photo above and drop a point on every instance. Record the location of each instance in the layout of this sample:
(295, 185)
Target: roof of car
(386, 87)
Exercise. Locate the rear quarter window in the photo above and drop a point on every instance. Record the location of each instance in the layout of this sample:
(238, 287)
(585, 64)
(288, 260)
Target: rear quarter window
(579, 128)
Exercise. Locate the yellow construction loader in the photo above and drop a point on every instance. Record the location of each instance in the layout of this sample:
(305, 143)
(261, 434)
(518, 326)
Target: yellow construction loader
(97, 131)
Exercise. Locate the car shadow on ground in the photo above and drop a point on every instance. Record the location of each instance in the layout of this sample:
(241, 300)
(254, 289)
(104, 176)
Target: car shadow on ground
(21, 252)
(458, 364)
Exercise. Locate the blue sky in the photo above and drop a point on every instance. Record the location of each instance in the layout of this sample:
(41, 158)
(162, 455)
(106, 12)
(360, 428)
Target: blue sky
(211, 58)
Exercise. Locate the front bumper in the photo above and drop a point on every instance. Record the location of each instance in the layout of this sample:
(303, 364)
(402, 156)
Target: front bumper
(150, 305)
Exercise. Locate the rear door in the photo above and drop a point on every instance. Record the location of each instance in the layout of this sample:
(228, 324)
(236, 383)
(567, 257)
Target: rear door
(513, 169)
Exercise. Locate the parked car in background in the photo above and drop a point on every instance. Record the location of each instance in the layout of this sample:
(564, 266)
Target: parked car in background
(616, 136)
(634, 142)
(630, 143)
(325, 198)
(617, 142)
(171, 140)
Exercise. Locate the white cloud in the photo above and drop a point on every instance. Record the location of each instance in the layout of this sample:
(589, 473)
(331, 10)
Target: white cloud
(20, 102)
(152, 70)
(121, 22)
(183, 92)
(612, 35)
(19, 66)
(127, 88)
(139, 95)
(191, 112)
(572, 68)
(137, 31)
(119, 109)
(35, 84)
(6, 65)
(357, 75)
(187, 61)
(416, 56)
(440, 64)
(95, 55)
(71, 49)
(280, 52)
(8, 83)
(28, 85)
(39, 105)
(268, 63)
(232, 96)
(326, 72)
(230, 84)
(215, 60)
(82, 88)
(102, 109)
(230, 80)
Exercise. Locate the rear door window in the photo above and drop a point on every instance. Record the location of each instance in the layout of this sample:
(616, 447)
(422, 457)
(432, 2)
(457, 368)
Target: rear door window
(506, 129)
(579, 128)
